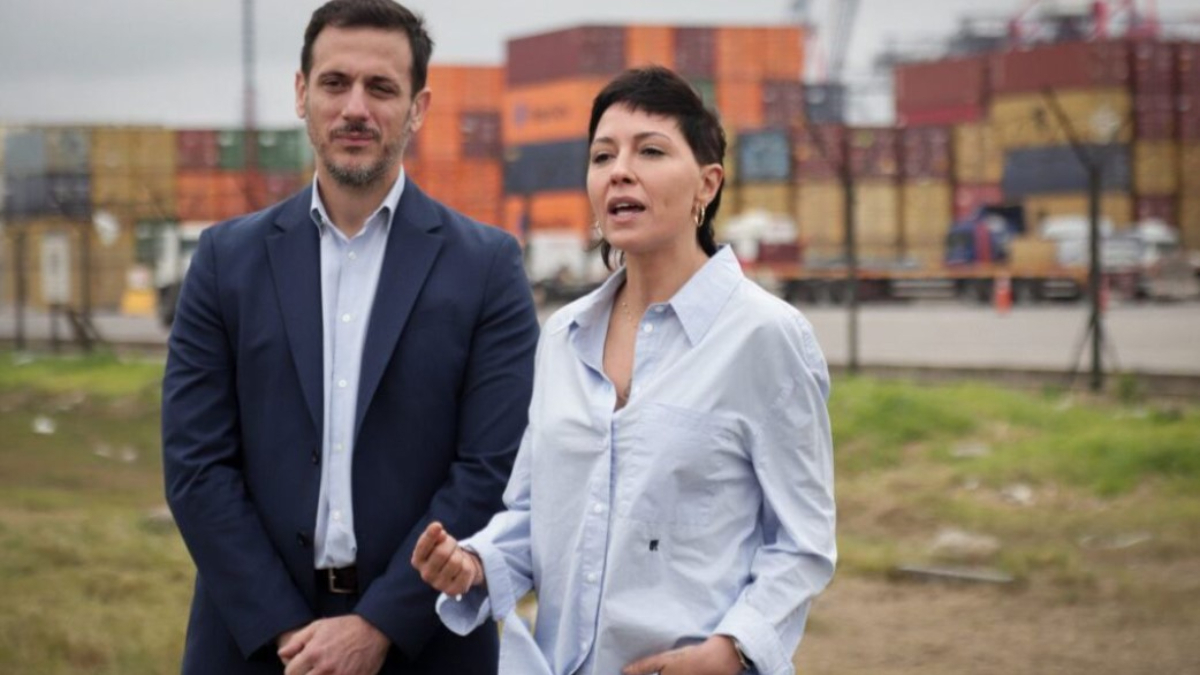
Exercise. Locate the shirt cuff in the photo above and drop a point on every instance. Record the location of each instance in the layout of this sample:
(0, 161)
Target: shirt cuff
(463, 616)
(758, 639)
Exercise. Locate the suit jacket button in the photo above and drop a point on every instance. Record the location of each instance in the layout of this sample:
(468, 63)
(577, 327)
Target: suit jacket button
(316, 456)
(302, 539)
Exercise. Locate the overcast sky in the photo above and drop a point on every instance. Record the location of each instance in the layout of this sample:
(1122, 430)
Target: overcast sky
(178, 62)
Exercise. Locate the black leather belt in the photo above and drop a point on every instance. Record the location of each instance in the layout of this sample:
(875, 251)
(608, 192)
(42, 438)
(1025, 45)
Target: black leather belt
(341, 580)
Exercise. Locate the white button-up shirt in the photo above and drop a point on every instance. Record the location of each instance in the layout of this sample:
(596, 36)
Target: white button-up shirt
(350, 268)
(704, 506)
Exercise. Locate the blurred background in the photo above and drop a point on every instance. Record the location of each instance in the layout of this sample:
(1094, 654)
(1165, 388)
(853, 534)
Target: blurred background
(991, 215)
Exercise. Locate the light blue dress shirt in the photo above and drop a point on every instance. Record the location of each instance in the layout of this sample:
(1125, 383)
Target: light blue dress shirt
(704, 506)
(350, 270)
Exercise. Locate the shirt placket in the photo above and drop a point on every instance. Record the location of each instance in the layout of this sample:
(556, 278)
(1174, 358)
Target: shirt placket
(345, 387)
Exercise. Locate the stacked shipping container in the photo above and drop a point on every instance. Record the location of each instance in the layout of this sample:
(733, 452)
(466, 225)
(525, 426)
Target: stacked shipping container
(751, 76)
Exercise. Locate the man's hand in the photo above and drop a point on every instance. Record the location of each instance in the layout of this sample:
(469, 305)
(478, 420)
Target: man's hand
(282, 641)
(343, 645)
(714, 656)
(443, 564)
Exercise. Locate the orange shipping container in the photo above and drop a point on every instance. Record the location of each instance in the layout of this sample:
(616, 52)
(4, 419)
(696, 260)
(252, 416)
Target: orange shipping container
(439, 138)
(650, 45)
(740, 104)
(566, 210)
(741, 54)
(472, 187)
(458, 88)
(549, 112)
(211, 194)
(784, 53)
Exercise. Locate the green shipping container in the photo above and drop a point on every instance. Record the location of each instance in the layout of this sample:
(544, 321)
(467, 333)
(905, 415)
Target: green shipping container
(283, 150)
(232, 149)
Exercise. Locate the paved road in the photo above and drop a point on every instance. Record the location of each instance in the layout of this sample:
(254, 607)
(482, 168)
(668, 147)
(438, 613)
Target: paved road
(1143, 338)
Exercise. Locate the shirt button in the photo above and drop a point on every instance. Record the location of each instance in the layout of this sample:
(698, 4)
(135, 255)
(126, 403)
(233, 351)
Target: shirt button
(597, 508)
(583, 645)
(352, 255)
(342, 384)
(647, 328)
(345, 318)
(591, 577)
(660, 309)
(337, 515)
(338, 447)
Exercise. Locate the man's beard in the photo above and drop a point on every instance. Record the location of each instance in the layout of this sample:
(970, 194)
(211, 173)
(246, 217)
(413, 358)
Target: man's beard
(361, 177)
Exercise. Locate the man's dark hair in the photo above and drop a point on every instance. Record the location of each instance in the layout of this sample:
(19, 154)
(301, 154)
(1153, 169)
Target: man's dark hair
(660, 91)
(383, 14)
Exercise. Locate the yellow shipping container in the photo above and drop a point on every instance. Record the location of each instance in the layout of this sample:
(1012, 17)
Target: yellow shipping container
(1189, 168)
(1032, 253)
(549, 112)
(927, 209)
(109, 261)
(876, 221)
(1189, 221)
(1027, 120)
(141, 150)
(1155, 168)
(132, 196)
(978, 158)
(1116, 206)
(776, 198)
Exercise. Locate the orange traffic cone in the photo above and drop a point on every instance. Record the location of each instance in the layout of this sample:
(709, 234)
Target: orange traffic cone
(1003, 294)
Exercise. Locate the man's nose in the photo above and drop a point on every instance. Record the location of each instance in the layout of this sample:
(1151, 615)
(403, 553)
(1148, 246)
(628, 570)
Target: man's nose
(356, 103)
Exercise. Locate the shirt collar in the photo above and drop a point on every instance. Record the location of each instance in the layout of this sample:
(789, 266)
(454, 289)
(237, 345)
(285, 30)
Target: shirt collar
(390, 202)
(697, 304)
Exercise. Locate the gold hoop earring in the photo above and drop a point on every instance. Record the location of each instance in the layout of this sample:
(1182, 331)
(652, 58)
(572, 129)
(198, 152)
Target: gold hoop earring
(700, 216)
(596, 231)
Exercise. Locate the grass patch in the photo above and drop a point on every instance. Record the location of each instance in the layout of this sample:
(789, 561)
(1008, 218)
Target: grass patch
(1112, 504)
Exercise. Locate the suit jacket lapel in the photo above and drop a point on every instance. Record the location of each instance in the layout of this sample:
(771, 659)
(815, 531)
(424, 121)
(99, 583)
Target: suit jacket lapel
(412, 246)
(294, 251)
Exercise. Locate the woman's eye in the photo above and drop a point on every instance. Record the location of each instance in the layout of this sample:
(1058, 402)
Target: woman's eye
(600, 157)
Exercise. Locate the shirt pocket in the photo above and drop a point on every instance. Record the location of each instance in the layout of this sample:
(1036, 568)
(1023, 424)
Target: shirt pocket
(666, 469)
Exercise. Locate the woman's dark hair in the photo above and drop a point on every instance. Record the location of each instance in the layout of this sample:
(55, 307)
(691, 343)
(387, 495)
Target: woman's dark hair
(383, 14)
(655, 90)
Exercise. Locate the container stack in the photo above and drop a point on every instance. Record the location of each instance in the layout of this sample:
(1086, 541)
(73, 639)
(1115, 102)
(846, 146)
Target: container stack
(751, 75)
(457, 156)
(1188, 128)
(215, 180)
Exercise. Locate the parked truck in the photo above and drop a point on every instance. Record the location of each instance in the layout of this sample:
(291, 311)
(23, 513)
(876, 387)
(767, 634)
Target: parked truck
(993, 245)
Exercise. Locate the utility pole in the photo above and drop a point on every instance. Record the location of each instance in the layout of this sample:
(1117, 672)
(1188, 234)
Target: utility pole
(1094, 166)
(249, 109)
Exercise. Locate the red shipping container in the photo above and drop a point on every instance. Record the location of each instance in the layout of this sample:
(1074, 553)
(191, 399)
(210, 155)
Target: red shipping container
(481, 135)
(940, 85)
(1164, 208)
(1188, 118)
(942, 117)
(782, 103)
(274, 186)
(968, 198)
(1154, 117)
(197, 149)
(696, 52)
(1067, 65)
(1154, 66)
(926, 152)
(818, 152)
(1187, 57)
(588, 50)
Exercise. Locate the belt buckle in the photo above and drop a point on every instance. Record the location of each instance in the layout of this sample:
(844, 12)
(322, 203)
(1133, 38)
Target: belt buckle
(334, 587)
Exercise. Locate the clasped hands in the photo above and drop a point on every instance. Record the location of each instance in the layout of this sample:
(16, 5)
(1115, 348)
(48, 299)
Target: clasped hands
(453, 570)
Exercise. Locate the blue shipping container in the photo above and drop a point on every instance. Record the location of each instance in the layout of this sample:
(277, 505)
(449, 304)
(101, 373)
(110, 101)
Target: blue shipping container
(541, 167)
(25, 152)
(26, 196)
(1031, 171)
(70, 194)
(68, 150)
(764, 156)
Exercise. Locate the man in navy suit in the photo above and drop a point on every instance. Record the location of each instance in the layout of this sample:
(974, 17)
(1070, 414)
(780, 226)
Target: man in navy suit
(345, 367)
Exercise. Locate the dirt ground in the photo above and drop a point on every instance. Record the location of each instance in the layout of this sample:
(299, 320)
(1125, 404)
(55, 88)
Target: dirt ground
(879, 627)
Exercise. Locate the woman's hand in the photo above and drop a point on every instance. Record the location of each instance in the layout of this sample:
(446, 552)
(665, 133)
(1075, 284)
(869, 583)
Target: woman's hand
(714, 656)
(445, 565)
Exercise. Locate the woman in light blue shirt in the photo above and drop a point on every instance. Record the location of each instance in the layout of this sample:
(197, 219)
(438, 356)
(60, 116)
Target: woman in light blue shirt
(672, 500)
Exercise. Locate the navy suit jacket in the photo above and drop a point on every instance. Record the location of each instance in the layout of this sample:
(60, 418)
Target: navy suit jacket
(445, 382)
